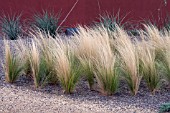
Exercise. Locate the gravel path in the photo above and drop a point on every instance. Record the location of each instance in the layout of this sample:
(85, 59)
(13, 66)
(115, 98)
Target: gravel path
(22, 97)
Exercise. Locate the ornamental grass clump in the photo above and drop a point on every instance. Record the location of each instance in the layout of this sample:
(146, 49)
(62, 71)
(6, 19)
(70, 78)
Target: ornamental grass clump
(94, 52)
(41, 62)
(110, 22)
(105, 68)
(148, 66)
(67, 66)
(10, 26)
(129, 59)
(165, 60)
(107, 74)
(46, 49)
(47, 22)
(13, 66)
(23, 50)
(35, 64)
(38, 66)
(86, 50)
(156, 38)
(160, 41)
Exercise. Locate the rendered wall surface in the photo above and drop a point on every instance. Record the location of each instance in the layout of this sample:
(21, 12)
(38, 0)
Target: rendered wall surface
(86, 11)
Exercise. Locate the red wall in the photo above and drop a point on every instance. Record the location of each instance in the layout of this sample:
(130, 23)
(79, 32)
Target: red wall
(87, 11)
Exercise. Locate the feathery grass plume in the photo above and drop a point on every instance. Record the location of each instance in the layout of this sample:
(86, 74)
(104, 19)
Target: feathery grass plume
(23, 50)
(148, 65)
(105, 68)
(155, 37)
(153, 34)
(38, 65)
(13, 66)
(129, 58)
(67, 66)
(110, 23)
(165, 60)
(87, 65)
(94, 50)
(85, 50)
(106, 71)
(35, 64)
(45, 46)
(10, 25)
(107, 77)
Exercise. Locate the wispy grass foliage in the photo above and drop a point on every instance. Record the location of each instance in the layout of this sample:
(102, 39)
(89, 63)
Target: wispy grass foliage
(156, 39)
(86, 50)
(42, 66)
(106, 71)
(102, 57)
(35, 64)
(148, 66)
(110, 22)
(11, 26)
(13, 66)
(47, 22)
(165, 58)
(67, 66)
(129, 59)
(46, 48)
(23, 50)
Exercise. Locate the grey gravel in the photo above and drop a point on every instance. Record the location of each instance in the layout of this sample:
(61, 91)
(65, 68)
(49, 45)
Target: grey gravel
(23, 97)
